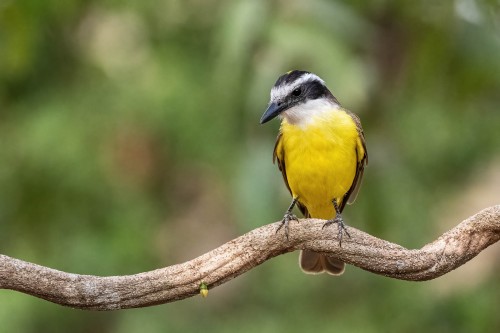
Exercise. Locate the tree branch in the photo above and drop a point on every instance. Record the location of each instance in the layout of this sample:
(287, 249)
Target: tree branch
(451, 250)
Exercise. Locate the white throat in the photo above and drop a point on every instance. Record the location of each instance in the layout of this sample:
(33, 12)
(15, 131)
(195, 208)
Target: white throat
(309, 112)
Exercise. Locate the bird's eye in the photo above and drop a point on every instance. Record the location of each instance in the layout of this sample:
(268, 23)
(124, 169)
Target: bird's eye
(297, 92)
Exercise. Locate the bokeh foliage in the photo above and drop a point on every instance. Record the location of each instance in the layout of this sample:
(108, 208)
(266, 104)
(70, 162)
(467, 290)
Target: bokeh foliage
(129, 140)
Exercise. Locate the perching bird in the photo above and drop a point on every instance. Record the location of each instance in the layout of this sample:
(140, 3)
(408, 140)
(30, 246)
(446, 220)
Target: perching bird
(321, 153)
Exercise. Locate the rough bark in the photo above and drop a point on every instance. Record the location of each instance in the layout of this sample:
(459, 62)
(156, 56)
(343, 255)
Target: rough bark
(449, 251)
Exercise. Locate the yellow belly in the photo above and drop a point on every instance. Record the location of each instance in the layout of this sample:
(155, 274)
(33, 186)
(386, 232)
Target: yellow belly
(321, 161)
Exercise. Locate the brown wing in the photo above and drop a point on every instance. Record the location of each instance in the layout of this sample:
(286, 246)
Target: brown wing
(279, 157)
(362, 158)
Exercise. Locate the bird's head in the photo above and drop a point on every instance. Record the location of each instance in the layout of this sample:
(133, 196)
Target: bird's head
(298, 95)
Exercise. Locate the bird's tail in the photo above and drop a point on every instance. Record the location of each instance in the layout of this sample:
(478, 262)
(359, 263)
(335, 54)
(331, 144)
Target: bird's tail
(311, 262)
(315, 263)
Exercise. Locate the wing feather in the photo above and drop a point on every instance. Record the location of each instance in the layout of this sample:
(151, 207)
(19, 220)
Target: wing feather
(279, 158)
(362, 161)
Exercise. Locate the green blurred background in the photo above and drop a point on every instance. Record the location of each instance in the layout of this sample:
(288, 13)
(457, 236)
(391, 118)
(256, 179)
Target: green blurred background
(130, 140)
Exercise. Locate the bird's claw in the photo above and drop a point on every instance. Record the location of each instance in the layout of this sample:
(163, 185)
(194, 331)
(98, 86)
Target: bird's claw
(341, 227)
(284, 222)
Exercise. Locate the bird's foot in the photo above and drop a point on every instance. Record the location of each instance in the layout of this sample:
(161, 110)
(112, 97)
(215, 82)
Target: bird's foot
(341, 227)
(284, 222)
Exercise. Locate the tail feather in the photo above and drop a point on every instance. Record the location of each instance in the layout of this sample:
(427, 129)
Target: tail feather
(311, 262)
(314, 263)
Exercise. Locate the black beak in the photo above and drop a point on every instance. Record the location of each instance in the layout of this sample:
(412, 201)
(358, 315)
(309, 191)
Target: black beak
(272, 111)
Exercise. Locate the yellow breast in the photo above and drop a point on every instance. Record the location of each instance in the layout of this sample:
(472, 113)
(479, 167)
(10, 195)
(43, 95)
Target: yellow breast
(320, 160)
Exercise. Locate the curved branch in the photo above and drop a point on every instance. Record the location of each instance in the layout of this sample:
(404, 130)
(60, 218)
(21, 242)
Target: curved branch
(451, 250)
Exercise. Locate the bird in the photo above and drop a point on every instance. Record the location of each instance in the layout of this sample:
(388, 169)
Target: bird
(321, 153)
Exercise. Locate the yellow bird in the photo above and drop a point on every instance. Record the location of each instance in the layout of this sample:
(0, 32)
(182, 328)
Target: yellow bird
(321, 153)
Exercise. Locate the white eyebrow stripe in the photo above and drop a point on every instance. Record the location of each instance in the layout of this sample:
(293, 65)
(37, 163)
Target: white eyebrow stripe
(282, 91)
(308, 77)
